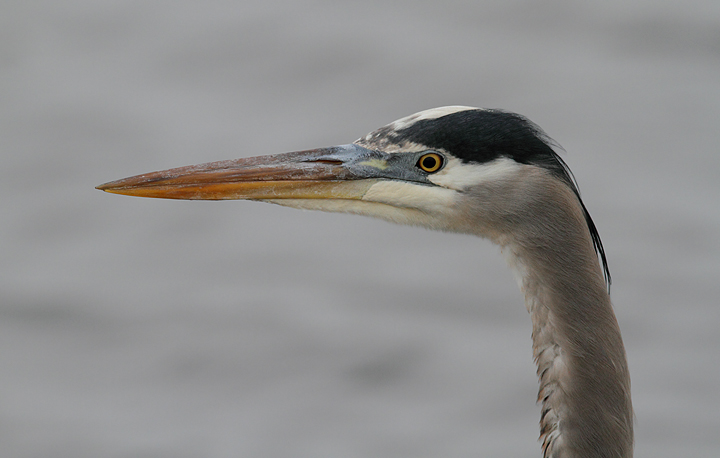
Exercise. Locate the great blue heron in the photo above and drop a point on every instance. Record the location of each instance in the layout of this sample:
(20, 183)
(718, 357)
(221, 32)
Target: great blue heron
(489, 173)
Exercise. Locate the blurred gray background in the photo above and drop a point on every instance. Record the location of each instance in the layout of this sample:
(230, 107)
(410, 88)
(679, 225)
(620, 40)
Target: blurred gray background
(149, 328)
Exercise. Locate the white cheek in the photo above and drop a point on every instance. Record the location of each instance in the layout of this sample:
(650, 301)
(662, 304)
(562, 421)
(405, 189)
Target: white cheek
(408, 216)
(458, 176)
(395, 201)
(429, 199)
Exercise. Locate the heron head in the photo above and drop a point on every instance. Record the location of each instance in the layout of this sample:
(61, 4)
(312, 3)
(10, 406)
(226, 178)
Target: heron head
(455, 168)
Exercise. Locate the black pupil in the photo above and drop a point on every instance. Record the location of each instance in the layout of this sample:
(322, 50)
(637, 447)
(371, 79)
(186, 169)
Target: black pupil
(429, 162)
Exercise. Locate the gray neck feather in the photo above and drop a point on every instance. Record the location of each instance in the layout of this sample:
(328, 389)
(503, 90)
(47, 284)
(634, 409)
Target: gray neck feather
(581, 363)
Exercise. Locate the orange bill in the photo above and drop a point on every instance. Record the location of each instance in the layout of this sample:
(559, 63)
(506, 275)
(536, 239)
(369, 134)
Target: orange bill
(326, 173)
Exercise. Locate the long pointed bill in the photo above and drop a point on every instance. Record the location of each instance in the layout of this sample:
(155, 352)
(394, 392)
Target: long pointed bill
(341, 172)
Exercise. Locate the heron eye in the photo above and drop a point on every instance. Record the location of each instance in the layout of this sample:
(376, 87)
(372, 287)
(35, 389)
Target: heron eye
(430, 162)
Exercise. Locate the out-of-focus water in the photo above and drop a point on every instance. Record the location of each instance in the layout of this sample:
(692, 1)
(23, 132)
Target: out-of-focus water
(149, 328)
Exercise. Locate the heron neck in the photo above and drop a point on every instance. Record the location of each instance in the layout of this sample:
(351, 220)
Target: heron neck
(581, 363)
